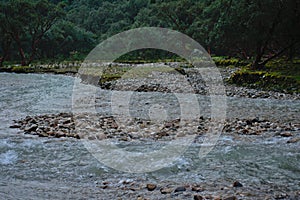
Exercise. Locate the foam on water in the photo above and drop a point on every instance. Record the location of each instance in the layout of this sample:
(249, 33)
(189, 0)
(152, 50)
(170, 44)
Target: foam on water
(9, 157)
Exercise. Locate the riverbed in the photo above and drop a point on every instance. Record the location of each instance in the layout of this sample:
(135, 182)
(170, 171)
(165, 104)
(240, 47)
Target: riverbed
(62, 168)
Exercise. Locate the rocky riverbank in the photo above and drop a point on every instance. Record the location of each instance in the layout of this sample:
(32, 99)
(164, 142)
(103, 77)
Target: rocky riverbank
(107, 127)
(113, 79)
(176, 80)
(221, 190)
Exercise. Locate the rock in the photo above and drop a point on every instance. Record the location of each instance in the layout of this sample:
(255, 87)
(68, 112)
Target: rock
(60, 134)
(162, 134)
(100, 136)
(180, 189)
(103, 187)
(286, 134)
(231, 198)
(66, 121)
(65, 115)
(15, 126)
(32, 121)
(281, 196)
(43, 134)
(51, 133)
(197, 189)
(27, 118)
(166, 190)
(30, 128)
(293, 140)
(237, 184)
(198, 197)
(151, 187)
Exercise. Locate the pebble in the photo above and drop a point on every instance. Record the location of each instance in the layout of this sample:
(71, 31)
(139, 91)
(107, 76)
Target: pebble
(151, 187)
(180, 189)
(197, 189)
(198, 197)
(231, 198)
(30, 128)
(237, 184)
(104, 127)
(15, 126)
(286, 134)
(166, 190)
(294, 140)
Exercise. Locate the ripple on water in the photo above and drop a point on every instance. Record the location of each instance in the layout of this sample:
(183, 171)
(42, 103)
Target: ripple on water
(9, 157)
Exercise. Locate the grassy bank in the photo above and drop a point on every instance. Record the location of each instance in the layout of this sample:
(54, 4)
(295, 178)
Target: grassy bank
(55, 69)
(278, 75)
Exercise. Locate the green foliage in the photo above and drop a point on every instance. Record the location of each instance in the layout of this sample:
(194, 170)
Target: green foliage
(256, 29)
(67, 40)
(247, 29)
(22, 69)
(149, 56)
(221, 61)
(278, 75)
(26, 22)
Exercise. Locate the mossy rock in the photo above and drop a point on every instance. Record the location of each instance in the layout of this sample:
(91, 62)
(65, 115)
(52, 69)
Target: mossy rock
(22, 69)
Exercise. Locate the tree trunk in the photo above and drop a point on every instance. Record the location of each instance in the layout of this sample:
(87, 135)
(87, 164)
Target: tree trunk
(291, 53)
(258, 58)
(1, 61)
(6, 45)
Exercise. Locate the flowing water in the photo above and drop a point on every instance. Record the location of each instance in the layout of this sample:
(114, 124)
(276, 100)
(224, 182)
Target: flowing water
(52, 168)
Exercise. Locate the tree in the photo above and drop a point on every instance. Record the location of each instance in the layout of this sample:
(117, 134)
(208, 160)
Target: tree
(256, 29)
(5, 42)
(181, 15)
(65, 37)
(27, 22)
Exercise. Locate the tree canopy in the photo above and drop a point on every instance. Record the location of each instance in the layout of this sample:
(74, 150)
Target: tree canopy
(51, 29)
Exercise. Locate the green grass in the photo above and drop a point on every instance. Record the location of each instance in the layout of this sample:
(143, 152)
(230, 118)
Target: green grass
(278, 75)
(223, 61)
(34, 69)
(115, 72)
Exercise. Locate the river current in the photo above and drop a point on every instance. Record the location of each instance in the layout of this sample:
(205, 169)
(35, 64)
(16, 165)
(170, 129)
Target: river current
(62, 168)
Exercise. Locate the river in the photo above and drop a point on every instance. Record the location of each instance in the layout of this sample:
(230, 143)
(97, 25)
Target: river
(62, 168)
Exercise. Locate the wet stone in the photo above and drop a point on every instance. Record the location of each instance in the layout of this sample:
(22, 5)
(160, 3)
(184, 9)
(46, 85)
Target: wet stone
(151, 186)
(294, 140)
(198, 197)
(180, 189)
(15, 126)
(197, 189)
(237, 184)
(30, 128)
(286, 134)
(166, 190)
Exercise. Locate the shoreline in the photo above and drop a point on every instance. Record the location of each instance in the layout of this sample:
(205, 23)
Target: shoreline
(197, 83)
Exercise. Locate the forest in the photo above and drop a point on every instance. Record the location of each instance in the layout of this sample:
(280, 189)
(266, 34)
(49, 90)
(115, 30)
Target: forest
(253, 30)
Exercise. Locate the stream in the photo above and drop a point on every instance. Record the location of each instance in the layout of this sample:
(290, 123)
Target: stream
(62, 168)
